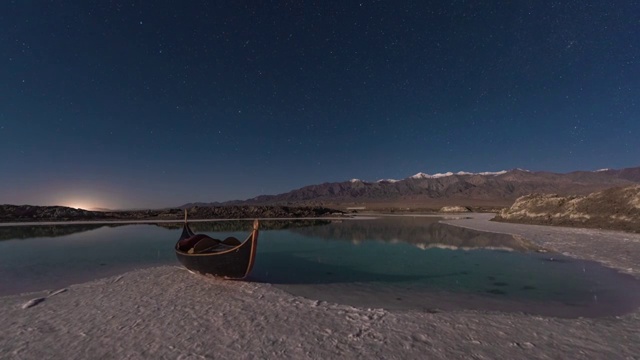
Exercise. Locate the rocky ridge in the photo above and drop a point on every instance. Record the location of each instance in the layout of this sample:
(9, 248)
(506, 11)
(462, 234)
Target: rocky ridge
(615, 208)
(462, 188)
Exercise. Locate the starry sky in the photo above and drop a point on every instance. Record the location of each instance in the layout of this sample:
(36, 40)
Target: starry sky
(132, 104)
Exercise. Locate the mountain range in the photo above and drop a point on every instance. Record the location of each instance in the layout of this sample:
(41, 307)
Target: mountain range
(485, 189)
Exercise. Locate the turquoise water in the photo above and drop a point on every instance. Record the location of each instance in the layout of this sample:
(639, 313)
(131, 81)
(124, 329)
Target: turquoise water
(395, 263)
(50, 262)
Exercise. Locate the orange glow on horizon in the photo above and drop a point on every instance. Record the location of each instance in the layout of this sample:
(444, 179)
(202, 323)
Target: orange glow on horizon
(84, 204)
(87, 200)
(79, 206)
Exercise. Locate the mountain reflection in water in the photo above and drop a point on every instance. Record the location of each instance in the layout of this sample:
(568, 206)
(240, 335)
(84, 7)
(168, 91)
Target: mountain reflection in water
(407, 263)
(423, 232)
(390, 262)
(58, 230)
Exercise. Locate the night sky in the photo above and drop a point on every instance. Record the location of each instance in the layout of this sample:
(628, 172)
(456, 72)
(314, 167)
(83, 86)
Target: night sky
(136, 104)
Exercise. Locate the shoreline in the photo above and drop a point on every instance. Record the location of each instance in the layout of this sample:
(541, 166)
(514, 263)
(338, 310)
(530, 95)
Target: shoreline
(179, 221)
(613, 248)
(364, 216)
(164, 312)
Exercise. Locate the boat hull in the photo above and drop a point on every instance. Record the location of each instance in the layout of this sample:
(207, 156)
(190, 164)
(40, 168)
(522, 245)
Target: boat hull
(233, 263)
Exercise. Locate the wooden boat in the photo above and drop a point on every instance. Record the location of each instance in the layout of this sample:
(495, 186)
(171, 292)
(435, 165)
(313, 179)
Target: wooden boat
(229, 258)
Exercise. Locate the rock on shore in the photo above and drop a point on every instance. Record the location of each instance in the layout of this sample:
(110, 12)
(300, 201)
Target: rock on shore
(616, 209)
(454, 209)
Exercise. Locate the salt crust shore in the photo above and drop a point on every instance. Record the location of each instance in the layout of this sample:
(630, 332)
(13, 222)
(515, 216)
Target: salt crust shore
(168, 313)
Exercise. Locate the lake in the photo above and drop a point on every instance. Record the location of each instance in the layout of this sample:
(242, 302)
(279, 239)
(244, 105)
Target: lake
(398, 263)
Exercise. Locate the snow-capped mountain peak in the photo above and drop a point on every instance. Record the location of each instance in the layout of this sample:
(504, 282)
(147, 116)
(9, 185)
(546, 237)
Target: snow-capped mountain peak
(422, 175)
(496, 173)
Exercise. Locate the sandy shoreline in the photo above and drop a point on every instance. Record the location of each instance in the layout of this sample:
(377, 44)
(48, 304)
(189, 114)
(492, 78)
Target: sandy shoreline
(166, 312)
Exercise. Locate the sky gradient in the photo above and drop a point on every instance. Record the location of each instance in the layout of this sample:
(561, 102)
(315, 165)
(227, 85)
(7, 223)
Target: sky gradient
(158, 103)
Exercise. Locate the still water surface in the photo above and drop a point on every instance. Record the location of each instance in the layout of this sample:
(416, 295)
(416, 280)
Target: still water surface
(395, 263)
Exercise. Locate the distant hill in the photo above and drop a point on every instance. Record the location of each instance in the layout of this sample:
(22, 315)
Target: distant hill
(631, 174)
(24, 213)
(11, 213)
(201, 204)
(466, 189)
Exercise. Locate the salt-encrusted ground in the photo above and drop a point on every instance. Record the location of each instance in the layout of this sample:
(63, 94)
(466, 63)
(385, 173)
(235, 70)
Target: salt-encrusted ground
(169, 313)
(617, 249)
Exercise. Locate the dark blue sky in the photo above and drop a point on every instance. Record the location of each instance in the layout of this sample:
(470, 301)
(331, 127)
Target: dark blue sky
(157, 103)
